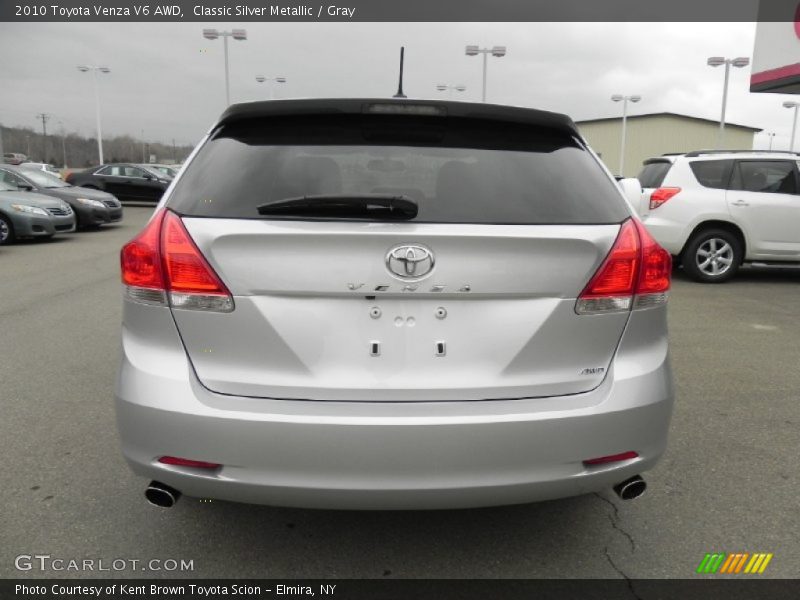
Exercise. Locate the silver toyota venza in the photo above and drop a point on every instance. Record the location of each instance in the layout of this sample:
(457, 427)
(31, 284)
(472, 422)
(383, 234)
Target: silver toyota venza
(393, 304)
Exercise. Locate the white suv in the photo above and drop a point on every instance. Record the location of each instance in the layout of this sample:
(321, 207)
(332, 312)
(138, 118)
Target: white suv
(715, 210)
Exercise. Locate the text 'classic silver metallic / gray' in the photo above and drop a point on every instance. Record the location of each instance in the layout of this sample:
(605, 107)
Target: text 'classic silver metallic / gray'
(392, 304)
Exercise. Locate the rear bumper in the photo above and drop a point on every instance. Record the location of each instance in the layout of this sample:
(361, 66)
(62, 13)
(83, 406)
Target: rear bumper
(379, 455)
(671, 235)
(385, 463)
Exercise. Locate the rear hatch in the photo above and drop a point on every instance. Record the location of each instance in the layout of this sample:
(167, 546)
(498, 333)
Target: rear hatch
(470, 298)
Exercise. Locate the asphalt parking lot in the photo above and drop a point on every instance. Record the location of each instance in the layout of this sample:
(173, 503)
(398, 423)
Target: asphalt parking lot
(729, 481)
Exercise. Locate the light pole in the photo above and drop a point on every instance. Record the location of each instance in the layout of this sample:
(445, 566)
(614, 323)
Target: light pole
(262, 79)
(794, 105)
(63, 142)
(237, 34)
(496, 51)
(771, 137)
(624, 100)
(716, 61)
(443, 87)
(94, 70)
(44, 117)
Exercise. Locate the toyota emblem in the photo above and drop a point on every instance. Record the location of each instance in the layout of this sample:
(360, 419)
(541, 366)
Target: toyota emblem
(409, 262)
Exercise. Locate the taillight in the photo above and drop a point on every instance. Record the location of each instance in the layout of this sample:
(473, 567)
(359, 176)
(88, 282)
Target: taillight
(142, 272)
(635, 274)
(163, 259)
(191, 281)
(655, 272)
(661, 195)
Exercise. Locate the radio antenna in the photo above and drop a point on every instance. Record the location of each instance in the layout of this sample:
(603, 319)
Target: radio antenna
(400, 93)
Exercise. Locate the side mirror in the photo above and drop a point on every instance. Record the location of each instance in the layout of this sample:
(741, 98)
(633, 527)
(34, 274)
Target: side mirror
(148, 177)
(632, 190)
(24, 187)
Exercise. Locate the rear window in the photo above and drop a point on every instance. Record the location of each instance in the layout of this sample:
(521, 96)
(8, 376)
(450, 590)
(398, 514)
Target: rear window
(456, 170)
(712, 173)
(652, 174)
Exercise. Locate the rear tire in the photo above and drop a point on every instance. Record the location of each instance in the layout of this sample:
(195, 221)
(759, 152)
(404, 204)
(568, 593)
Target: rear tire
(6, 231)
(712, 256)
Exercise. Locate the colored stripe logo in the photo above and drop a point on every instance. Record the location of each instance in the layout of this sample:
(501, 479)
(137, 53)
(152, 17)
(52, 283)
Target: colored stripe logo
(734, 563)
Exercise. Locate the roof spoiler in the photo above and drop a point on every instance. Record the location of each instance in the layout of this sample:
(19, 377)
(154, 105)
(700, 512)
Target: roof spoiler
(354, 106)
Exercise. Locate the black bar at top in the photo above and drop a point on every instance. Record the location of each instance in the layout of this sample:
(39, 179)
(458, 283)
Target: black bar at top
(401, 10)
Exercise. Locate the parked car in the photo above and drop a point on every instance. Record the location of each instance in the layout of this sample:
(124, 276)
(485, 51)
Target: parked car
(46, 167)
(393, 305)
(715, 210)
(28, 215)
(125, 181)
(91, 207)
(14, 158)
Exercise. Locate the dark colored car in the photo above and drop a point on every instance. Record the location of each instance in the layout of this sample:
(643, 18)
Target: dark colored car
(125, 181)
(91, 207)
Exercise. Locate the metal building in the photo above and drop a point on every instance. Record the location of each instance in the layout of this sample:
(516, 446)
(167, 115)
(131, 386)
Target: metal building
(659, 133)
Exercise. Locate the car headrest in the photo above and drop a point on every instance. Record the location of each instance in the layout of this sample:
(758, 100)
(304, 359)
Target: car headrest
(308, 176)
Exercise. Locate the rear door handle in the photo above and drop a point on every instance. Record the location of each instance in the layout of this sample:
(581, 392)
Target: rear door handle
(741, 203)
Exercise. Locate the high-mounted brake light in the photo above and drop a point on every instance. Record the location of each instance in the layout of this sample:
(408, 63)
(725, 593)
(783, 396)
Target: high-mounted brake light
(661, 195)
(427, 110)
(635, 274)
(163, 259)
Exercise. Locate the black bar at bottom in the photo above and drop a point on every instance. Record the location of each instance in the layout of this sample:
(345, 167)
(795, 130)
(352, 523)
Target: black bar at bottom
(729, 588)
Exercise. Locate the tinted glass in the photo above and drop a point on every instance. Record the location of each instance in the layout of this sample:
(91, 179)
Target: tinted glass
(776, 177)
(455, 172)
(712, 173)
(44, 179)
(652, 174)
(132, 172)
(11, 179)
(157, 173)
(161, 171)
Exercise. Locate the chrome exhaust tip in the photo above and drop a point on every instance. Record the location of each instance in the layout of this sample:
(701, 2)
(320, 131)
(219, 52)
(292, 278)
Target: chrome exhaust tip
(632, 488)
(161, 495)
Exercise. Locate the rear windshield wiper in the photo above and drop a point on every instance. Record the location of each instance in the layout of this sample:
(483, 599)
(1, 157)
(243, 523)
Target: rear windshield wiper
(343, 206)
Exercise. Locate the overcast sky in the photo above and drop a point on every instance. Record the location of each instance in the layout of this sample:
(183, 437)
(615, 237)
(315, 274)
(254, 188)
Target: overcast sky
(169, 81)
